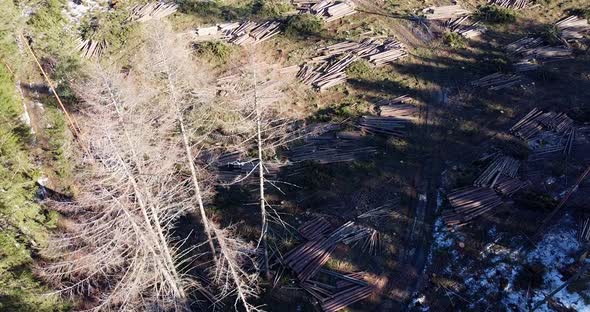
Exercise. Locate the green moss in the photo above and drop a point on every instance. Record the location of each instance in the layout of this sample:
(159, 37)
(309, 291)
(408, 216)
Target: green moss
(359, 69)
(349, 108)
(303, 25)
(268, 9)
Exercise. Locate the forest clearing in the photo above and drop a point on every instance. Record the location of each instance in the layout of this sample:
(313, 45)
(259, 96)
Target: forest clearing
(294, 155)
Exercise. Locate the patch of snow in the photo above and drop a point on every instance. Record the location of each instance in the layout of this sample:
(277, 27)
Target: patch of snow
(555, 251)
(75, 12)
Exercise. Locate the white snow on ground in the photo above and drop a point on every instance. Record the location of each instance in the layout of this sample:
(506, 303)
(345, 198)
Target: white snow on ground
(502, 264)
(555, 251)
(75, 12)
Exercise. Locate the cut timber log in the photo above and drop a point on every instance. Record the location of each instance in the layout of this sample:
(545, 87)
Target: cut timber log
(573, 27)
(383, 125)
(468, 203)
(346, 297)
(315, 229)
(445, 12)
(501, 166)
(497, 81)
(464, 27)
(512, 4)
(152, 10)
(332, 61)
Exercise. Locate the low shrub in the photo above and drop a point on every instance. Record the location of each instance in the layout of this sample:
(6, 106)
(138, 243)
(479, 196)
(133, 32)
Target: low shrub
(271, 8)
(530, 276)
(535, 200)
(551, 35)
(215, 50)
(494, 14)
(454, 40)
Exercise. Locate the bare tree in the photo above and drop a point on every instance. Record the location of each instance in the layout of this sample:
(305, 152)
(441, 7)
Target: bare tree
(120, 252)
(257, 93)
(186, 88)
(183, 87)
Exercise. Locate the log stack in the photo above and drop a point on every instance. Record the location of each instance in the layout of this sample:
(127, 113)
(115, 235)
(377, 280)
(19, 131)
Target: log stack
(337, 290)
(315, 229)
(328, 69)
(510, 186)
(400, 111)
(536, 50)
(328, 149)
(91, 48)
(573, 27)
(306, 259)
(511, 4)
(383, 125)
(445, 12)
(468, 203)
(346, 297)
(497, 81)
(328, 10)
(252, 33)
(546, 133)
(152, 10)
(584, 231)
(503, 166)
(334, 290)
(465, 27)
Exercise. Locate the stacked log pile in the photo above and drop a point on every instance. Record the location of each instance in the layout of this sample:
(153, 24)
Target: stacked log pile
(573, 27)
(328, 10)
(468, 203)
(510, 186)
(445, 12)
(91, 48)
(512, 4)
(525, 65)
(251, 33)
(329, 148)
(400, 111)
(334, 290)
(340, 291)
(328, 68)
(465, 27)
(584, 231)
(497, 81)
(346, 297)
(315, 229)
(306, 259)
(546, 133)
(535, 50)
(327, 74)
(383, 125)
(502, 166)
(152, 10)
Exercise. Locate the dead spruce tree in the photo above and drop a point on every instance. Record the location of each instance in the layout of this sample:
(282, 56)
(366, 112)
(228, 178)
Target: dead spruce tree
(182, 84)
(117, 249)
(255, 92)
